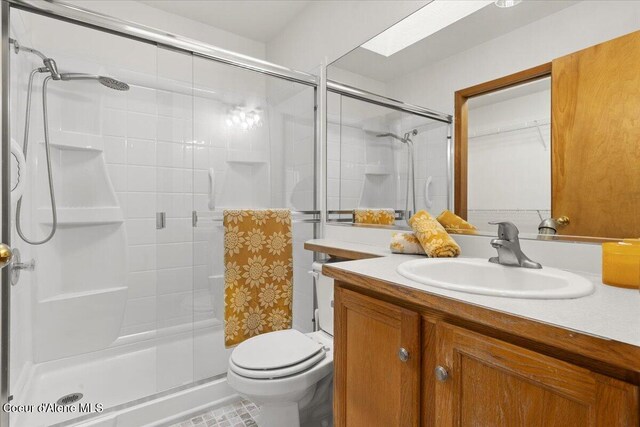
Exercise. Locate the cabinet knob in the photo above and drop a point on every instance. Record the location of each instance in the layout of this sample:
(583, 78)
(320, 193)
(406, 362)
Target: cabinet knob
(403, 354)
(441, 373)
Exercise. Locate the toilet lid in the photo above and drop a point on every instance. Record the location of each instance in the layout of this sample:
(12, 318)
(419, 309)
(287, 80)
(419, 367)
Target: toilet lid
(275, 350)
(263, 374)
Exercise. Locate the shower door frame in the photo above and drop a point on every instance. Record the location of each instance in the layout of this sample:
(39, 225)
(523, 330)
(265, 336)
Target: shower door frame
(5, 229)
(97, 21)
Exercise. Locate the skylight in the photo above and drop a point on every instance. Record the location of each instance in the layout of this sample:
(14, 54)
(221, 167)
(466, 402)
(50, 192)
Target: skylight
(430, 19)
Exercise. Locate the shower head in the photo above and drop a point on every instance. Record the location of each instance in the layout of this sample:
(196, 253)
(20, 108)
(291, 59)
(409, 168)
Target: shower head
(51, 67)
(109, 82)
(113, 83)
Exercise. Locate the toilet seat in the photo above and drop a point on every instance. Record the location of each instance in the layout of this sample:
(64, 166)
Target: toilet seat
(276, 355)
(270, 374)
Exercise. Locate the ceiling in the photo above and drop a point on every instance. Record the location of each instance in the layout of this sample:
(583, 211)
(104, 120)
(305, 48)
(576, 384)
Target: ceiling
(259, 20)
(484, 25)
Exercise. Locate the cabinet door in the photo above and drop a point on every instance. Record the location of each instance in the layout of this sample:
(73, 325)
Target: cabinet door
(595, 107)
(493, 383)
(375, 385)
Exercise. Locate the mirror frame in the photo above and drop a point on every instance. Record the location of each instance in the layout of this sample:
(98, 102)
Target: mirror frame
(461, 139)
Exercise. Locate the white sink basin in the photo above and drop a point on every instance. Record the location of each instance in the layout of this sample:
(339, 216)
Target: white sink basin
(479, 276)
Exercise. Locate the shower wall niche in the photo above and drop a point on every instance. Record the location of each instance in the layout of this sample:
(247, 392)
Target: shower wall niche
(121, 305)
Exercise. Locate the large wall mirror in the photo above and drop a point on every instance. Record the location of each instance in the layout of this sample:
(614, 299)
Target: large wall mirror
(545, 104)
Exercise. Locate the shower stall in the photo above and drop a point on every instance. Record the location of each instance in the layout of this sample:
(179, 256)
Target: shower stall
(115, 197)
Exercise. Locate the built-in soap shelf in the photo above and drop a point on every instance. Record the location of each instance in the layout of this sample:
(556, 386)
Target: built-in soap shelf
(246, 157)
(83, 215)
(65, 140)
(377, 170)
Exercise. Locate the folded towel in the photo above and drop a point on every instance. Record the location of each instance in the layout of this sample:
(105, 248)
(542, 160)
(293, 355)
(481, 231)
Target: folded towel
(432, 236)
(405, 243)
(454, 224)
(374, 216)
(258, 275)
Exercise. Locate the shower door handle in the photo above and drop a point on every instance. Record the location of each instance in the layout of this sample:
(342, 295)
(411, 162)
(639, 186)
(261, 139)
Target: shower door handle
(6, 255)
(212, 189)
(427, 196)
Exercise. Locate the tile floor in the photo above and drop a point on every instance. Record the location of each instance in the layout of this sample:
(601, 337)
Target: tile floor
(238, 414)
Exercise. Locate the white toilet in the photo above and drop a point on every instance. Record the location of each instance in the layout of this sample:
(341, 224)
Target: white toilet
(288, 374)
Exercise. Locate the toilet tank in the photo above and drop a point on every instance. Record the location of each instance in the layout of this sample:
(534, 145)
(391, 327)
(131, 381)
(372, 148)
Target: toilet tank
(324, 298)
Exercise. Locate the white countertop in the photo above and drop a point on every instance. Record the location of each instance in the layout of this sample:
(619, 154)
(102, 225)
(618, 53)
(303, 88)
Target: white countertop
(609, 313)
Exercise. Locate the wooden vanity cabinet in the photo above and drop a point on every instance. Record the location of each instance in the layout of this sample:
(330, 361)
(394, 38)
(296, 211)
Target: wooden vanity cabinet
(376, 362)
(493, 383)
(456, 377)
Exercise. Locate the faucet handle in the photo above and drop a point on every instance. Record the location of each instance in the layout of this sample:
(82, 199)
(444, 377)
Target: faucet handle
(506, 230)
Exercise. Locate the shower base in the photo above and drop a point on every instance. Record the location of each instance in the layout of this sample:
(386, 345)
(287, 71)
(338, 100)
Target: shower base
(128, 381)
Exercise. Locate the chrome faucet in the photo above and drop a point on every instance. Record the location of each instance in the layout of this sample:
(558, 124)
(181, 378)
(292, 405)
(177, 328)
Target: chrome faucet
(508, 246)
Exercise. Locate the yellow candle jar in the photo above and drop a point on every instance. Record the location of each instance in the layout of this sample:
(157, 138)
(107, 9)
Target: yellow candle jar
(621, 264)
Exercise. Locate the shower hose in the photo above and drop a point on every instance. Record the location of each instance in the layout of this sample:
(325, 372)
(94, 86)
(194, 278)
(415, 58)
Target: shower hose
(47, 149)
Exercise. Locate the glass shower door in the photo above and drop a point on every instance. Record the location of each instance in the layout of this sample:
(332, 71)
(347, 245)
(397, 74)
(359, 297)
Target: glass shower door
(81, 332)
(254, 148)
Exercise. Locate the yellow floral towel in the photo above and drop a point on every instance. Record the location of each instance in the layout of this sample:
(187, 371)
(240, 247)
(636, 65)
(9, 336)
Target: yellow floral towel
(432, 236)
(374, 216)
(454, 224)
(258, 284)
(405, 243)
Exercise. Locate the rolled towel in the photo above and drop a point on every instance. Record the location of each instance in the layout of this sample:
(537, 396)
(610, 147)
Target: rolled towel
(432, 236)
(374, 216)
(454, 224)
(405, 243)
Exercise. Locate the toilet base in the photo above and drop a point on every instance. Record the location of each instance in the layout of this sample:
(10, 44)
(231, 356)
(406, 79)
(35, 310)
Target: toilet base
(282, 415)
(313, 409)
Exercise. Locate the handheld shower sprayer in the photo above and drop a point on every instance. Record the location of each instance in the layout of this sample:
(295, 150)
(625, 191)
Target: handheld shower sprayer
(51, 68)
